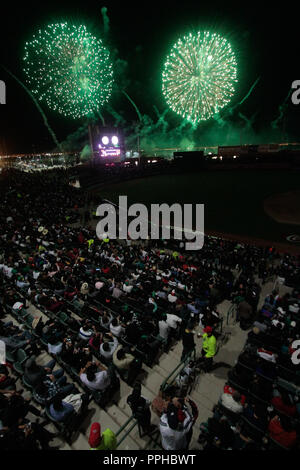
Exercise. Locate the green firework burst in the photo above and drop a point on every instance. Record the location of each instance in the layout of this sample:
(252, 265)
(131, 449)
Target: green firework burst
(69, 69)
(199, 76)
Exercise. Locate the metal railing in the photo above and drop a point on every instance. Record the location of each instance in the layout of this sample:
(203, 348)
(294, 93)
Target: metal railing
(180, 366)
(154, 437)
(122, 428)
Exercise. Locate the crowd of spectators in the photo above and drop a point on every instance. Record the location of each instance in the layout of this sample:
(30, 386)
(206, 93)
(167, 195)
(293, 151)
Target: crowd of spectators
(106, 308)
(259, 407)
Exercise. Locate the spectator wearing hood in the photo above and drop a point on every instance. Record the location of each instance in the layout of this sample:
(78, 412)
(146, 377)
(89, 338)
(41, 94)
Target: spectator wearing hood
(105, 441)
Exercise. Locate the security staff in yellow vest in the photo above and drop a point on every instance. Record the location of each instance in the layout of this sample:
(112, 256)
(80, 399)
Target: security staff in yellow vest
(209, 348)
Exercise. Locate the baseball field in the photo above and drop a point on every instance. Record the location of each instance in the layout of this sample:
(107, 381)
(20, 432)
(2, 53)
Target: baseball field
(245, 204)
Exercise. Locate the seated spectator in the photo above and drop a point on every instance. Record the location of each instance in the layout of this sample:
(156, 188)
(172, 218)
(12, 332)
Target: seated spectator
(84, 289)
(283, 403)
(116, 328)
(51, 386)
(294, 308)
(122, 359)
(6, 382)
(54, 345)
(192, 308)
(62, 407)
(16, 409)
(232, 402)
(261, 387)
(86, 331)
(96, 341)
(81, 356)
(172, 298)
(257, 415)
(16, 341)
(60, 410)
(67, 351)
(105, 320)
(127, 287)
(150, 347)
(133, 332)
(55, 305)
(117, 292)
(219, 428)
(95, 376)
(282, 431)
(107, 348)
(29, 436)
(35, 374)
(99, 285)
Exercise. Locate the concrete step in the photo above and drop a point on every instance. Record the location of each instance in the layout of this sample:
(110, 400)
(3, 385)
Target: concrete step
(117, 414)
(130, 444)
(152, 382)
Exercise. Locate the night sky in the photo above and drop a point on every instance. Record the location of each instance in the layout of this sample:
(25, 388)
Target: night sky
(265, 39)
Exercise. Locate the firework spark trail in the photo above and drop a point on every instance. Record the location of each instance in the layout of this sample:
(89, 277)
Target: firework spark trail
(249, 92)
(248, 121)
(233, 108)
(119, 119)
(133, 104)
(161, 119)
(281, 109)
(37, 105)
(102, 118)
(105, 20)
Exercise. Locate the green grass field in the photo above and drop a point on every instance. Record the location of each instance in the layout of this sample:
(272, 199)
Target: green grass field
(233, 199)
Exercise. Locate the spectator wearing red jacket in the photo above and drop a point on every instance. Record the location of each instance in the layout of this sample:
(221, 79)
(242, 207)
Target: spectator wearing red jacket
(283, 403)
(282, 431)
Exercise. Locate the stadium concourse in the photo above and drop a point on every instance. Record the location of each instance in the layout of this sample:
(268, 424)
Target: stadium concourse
(102, 318)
